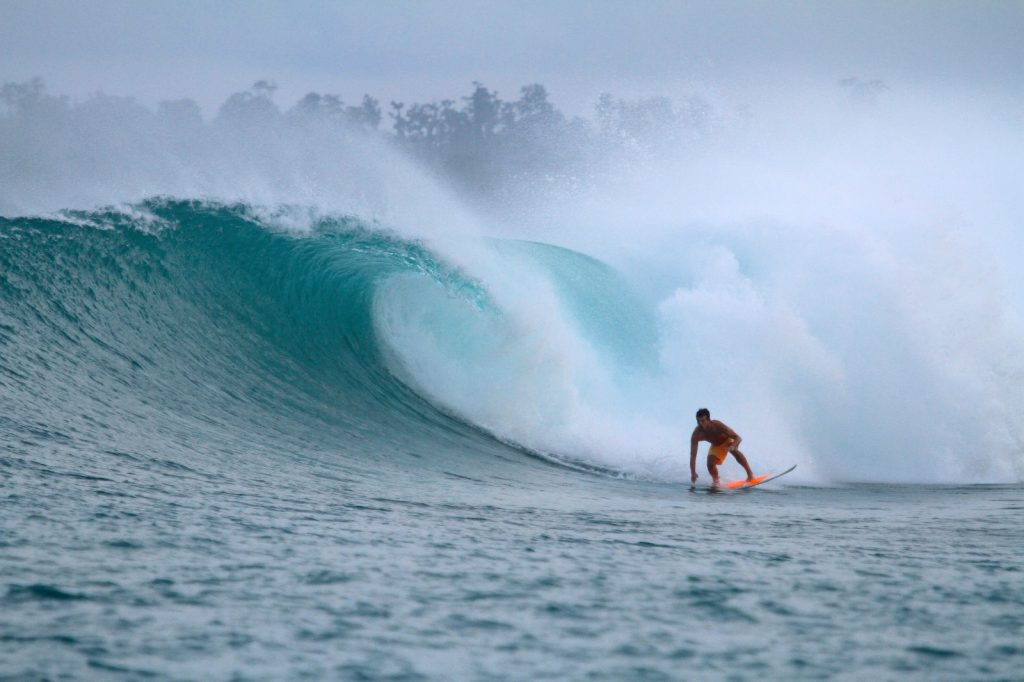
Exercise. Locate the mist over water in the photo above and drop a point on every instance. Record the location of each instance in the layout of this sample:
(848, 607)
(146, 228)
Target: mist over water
(839, 277)
(832, 275)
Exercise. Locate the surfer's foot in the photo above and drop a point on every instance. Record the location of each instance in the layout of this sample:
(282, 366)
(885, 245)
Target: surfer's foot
(716, 483)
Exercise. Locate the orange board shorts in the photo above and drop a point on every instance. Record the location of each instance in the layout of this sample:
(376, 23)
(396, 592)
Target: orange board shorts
(720, 452)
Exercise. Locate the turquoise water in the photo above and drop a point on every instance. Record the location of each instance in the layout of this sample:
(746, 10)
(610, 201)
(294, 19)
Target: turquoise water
(218, 462)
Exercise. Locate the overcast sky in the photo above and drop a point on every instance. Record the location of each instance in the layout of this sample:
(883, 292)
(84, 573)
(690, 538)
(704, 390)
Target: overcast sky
(435, 49)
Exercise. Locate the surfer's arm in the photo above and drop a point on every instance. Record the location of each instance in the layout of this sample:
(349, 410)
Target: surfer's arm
(735, 437)
(693, 456)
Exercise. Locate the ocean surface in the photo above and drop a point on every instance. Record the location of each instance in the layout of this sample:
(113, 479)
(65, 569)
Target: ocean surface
(233, 450)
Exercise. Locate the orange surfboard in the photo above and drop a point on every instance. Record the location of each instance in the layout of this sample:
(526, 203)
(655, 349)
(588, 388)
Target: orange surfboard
(758, 480)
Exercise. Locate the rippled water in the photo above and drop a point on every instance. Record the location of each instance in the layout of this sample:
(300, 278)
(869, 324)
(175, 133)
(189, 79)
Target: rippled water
(159, 570)
(212, 469)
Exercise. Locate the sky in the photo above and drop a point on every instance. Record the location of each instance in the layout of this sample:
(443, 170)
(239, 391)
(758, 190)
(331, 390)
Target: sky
(435, 49)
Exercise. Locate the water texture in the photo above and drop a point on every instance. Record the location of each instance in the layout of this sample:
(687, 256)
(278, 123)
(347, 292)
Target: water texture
(234, 451)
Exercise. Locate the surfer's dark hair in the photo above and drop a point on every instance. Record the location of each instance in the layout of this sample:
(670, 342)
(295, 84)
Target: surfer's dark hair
(703, 412)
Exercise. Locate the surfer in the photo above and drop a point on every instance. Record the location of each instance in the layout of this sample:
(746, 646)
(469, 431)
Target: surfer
(723, 441)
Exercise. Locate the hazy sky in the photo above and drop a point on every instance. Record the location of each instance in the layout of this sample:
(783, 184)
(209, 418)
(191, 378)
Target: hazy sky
(434, 49)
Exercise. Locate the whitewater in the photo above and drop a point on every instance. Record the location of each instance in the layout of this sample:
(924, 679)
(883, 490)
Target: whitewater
(277, 404)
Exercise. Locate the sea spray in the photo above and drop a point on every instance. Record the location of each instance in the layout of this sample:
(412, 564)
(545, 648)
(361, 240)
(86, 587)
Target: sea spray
(837, 280)
(834, 281)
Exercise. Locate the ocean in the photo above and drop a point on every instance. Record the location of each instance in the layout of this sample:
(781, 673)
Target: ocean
(232, 448)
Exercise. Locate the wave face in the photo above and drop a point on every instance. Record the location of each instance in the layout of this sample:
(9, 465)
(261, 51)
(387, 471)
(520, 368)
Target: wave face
(197, 327)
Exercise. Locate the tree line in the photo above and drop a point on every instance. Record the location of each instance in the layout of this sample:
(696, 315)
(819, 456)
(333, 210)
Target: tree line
(480, 142)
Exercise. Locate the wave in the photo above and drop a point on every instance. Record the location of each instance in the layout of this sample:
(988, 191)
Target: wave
(207, 326)
(176, 326)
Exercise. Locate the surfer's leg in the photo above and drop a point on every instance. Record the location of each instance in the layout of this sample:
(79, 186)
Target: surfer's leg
(716, 457)
(741, 458)
(713, 469)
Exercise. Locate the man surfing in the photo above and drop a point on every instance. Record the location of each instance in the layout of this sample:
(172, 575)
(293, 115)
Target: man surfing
(723, 441)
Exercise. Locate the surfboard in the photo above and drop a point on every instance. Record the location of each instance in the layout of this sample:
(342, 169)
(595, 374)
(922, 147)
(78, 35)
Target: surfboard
(743, 484)
(758, 480)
